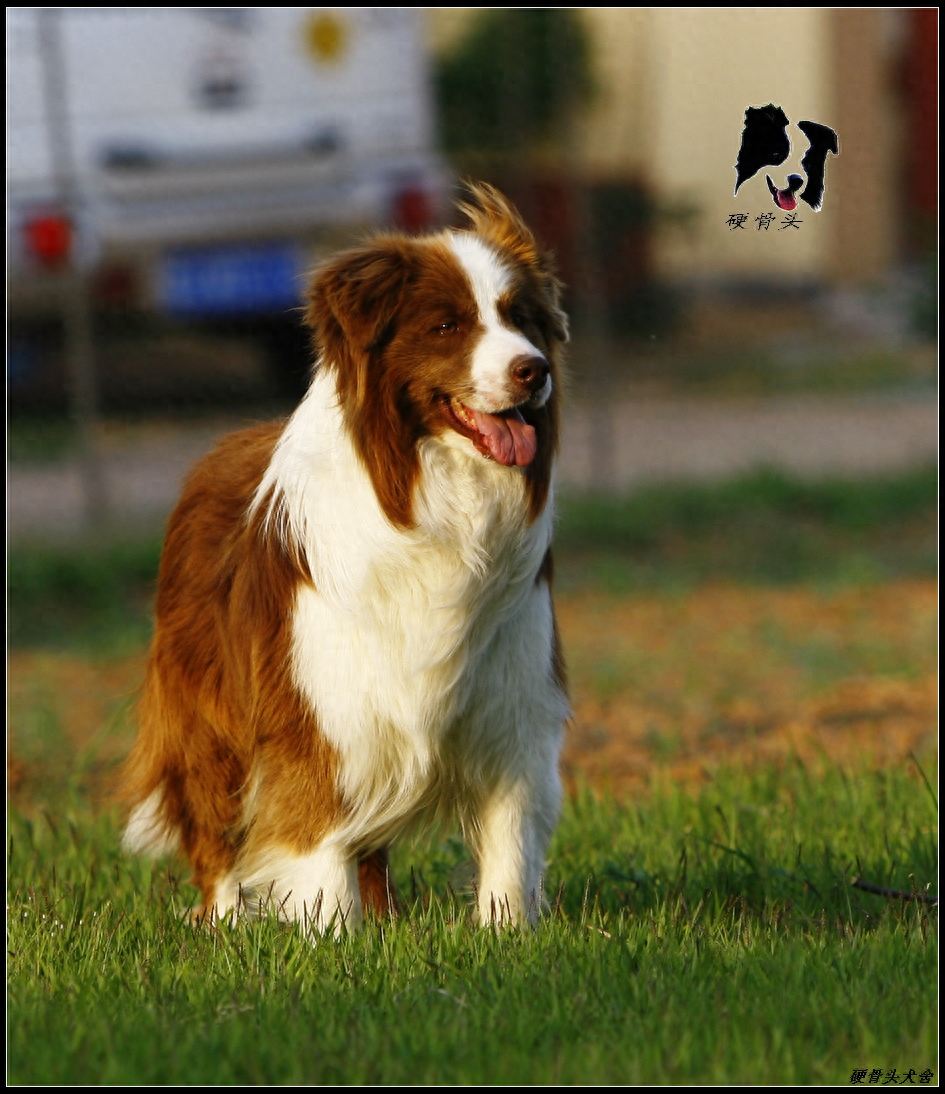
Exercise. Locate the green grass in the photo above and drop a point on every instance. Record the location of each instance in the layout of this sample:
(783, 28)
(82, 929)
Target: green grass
(692, 938)
(798, 368)
(694, 935)
(96, 595)
(763, 527)
(41, 440)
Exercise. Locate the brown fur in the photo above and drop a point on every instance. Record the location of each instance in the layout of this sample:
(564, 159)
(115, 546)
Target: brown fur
(559, 671)
(377, 892)
(218, 705)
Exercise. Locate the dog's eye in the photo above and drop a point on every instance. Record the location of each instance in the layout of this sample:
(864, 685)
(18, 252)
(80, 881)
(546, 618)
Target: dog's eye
(446, 328)
(519, 317)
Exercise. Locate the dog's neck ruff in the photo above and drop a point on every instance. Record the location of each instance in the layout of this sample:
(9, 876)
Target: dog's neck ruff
(475, 509)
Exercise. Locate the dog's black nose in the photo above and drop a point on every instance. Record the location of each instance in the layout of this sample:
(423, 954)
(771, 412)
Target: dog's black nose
(530, 372)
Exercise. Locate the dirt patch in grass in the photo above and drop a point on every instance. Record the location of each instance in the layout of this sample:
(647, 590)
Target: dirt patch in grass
(71, 721)
(880, 722)
(748, 675)
(667, 683)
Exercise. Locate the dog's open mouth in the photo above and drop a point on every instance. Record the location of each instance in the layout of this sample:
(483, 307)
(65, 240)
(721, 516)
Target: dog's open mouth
(504, 437)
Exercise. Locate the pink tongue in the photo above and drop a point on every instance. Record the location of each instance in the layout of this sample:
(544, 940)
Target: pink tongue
(507, 437)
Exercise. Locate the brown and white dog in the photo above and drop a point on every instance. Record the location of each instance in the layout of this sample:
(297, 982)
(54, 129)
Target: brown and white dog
(354, 626)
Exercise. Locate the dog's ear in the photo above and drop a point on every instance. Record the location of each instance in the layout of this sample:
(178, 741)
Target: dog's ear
(496, 219)
(352, 305)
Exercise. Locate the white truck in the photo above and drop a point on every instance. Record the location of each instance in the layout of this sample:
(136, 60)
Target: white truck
(196, 160)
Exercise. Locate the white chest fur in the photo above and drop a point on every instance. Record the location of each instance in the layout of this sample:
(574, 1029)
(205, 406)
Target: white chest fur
(425, 653)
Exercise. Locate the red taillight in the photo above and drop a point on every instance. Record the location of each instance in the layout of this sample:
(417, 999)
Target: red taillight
(49, 239)
(412, 210)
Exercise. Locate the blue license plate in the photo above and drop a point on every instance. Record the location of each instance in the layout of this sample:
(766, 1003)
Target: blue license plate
(231, 280)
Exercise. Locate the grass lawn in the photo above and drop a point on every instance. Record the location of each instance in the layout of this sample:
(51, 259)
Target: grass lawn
(754, 677)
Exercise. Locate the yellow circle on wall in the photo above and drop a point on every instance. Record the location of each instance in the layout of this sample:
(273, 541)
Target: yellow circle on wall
(326, 37)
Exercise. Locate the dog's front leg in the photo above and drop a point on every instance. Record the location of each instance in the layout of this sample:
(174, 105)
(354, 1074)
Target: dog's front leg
(514, 826)
(319, 889)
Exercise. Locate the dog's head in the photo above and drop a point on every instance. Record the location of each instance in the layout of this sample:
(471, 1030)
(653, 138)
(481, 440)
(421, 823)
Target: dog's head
(455, 336)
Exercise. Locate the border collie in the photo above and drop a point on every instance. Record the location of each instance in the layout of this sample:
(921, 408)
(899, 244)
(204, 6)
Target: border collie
(354, 624)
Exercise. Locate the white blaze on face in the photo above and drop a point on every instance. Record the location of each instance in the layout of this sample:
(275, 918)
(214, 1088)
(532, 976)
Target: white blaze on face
(499, 345)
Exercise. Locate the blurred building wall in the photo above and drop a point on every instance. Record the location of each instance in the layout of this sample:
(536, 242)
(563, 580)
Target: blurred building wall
(673, 86)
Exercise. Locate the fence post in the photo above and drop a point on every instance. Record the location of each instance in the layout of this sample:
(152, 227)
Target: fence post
(73, 288)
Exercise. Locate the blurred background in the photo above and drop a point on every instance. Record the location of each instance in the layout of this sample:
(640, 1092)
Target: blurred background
(747, 403)
(173, 173)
